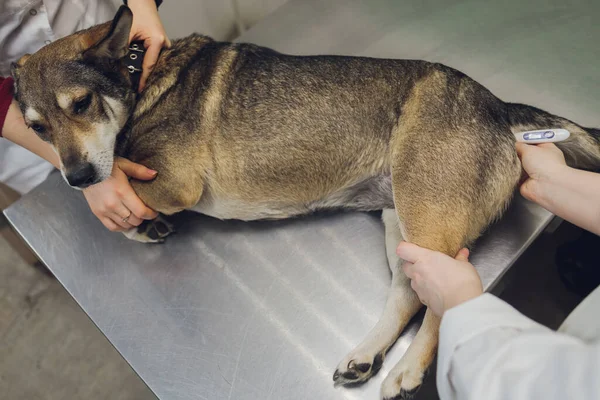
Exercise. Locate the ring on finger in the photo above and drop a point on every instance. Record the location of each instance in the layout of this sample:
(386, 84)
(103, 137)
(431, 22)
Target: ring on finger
(124, 220)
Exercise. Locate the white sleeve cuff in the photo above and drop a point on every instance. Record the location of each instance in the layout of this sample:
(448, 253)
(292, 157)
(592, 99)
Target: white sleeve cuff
(468, 320)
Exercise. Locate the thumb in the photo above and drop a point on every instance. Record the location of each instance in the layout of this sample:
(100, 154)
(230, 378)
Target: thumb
(521, 148)
(136, 171)
(527, 189)
(411, 252)
(463, 255)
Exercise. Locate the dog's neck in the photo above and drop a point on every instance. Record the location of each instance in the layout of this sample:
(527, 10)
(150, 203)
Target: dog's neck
(134, 61)
(164, 76)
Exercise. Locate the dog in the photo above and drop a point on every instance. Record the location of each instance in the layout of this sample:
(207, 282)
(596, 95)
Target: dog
(239, 131)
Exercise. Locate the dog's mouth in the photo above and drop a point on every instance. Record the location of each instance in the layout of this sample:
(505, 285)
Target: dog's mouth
(81, 176)
(86, 174)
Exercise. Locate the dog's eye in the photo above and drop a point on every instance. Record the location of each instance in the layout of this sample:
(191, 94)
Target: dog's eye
(82, 105)
(38, 128)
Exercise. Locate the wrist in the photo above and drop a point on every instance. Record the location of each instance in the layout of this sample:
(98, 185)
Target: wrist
(541, 190)
(556, 174)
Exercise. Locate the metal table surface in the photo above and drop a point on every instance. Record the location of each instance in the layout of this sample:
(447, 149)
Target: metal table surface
(266, 310)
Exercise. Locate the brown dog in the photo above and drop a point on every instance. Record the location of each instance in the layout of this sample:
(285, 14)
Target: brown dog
(241, 131)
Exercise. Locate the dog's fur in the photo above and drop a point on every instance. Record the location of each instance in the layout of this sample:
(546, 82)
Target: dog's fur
(241, 131)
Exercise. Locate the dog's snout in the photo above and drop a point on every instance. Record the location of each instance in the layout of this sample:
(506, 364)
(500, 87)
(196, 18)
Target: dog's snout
(82, 176)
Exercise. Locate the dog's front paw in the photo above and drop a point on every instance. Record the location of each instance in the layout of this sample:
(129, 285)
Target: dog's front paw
(153, 231)
(357, 367)
(402, 383)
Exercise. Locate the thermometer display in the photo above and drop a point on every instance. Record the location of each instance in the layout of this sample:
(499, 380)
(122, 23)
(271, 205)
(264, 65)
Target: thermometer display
(543, 136)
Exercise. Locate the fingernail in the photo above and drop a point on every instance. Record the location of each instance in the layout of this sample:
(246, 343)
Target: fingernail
(152, 172)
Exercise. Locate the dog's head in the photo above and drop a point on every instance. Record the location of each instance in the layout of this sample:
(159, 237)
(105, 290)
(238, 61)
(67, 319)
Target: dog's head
(75, 94)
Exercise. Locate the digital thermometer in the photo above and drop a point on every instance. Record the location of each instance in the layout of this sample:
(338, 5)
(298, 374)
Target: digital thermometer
(542, 136)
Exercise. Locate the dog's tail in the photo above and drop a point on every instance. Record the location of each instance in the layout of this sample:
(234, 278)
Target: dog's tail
(581, 149)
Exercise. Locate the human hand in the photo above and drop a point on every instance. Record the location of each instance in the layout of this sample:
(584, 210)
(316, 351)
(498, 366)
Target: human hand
(540, 163)
(147, 27)
(440, 281)
(114, 201)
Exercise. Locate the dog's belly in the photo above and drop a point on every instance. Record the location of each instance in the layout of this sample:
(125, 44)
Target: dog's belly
(245, 211)
(373, 193)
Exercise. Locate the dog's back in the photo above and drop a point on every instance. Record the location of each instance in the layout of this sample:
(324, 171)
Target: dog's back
(287, 134)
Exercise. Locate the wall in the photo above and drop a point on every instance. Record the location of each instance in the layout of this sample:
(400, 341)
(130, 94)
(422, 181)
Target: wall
(221, 19)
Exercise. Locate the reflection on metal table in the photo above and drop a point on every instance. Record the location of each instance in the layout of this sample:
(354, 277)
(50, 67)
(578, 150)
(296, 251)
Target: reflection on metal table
(266, 310)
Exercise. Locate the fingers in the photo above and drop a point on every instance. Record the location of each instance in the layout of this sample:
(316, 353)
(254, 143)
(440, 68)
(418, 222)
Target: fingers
(118, 220)
(121, 220)
(123, 217)
(111, 225)
(524, 147)
(152, 53)
(413, 285)
(128, 195)
(131, 219)
(410, 252)
(548, 146)
(136, 171)
(463, 255)
(416, 286)
(408, 269)
(134, 220)
(136, 205)
(523, 178)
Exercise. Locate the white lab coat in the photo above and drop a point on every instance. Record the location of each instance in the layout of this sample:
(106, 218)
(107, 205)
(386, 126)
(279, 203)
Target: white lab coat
(489, 351)
(25, 27)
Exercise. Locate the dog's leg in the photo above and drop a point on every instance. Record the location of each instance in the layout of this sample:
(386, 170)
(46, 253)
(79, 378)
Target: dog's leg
(405, 379)
(445, 235)
(151, 231)
(402, 303)
(454, 170)
(393, 236)
(168, 194)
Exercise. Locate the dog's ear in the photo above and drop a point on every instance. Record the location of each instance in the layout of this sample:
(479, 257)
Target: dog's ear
(14, 67)
(116, 42)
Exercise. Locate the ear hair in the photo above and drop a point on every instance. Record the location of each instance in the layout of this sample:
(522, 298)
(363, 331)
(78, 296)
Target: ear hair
(116, 42)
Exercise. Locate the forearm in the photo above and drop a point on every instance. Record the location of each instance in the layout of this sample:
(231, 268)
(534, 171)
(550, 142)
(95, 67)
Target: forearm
(573, 195)
(134, 4)
(16, 131)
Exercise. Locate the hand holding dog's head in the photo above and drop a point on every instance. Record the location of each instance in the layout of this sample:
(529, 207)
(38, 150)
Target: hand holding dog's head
(76, 94)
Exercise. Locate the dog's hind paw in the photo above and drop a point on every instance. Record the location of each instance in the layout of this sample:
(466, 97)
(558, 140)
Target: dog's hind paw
(356, 368)
(401, 383)
(153, 231)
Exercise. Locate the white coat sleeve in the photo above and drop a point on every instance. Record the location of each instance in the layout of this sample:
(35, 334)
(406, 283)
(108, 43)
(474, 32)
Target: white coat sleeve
(488, 350)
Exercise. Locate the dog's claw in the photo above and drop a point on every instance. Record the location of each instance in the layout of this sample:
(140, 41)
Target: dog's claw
(336, 375)
(357, 374)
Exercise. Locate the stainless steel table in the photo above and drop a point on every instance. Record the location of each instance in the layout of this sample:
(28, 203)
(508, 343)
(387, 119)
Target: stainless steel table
(266, 310)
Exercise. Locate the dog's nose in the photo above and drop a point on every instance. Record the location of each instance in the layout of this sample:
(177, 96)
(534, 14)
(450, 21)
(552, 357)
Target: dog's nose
(82, 176)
